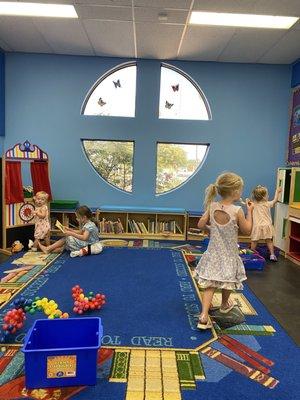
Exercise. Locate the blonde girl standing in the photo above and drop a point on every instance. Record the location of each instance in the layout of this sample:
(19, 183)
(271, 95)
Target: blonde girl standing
(220, 266)
(262, 221)
(42, 221)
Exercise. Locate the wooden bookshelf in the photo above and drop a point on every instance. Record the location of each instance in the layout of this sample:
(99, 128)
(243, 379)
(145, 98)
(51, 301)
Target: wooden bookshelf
(193, 232)
(66, 217)
(129, 224)
(287, 213)
(192, 221)
(144, 224)
(293, 252)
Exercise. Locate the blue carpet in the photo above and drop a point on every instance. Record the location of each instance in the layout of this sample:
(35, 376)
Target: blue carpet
(223, 383)
(151, 299)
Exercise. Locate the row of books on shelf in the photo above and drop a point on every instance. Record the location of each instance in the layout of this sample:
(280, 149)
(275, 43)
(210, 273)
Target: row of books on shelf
(195, 231)
(153, 227)
(111, 226)
(149, 227)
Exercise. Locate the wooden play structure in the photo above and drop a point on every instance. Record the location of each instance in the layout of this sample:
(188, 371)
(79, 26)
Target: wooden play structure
(17, 210)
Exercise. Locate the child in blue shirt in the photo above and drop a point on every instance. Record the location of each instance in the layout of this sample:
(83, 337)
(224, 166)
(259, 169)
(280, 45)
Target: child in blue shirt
(76, 239)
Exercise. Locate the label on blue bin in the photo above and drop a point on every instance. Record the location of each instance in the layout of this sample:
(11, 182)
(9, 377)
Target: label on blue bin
(61, 366)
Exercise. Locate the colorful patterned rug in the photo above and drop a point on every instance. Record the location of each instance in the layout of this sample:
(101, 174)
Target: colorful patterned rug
(151, 348)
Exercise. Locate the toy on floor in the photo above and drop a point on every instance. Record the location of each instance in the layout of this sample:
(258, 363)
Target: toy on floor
(83, 303)
(49, 307)
(246, 251)
(14, 319)
(17, 246)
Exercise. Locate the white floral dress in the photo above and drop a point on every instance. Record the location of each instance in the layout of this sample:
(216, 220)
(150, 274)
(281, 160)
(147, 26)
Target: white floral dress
(262, 221)
(42, 225)
(221, 266)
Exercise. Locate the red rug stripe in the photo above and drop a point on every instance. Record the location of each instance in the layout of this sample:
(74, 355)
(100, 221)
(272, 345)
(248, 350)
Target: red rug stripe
(243, 355)
(249, 351)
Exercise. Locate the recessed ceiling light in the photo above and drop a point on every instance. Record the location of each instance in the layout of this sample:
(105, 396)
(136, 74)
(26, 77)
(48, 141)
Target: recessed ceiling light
(37, 10)
(242, 20)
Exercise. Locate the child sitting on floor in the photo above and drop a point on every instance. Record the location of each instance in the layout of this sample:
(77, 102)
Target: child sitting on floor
(75, 239)
(262, 221)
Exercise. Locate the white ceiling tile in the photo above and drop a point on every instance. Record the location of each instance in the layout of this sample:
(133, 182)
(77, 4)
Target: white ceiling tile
(143, 14)
(105, 13)
(158, 40)
(249, 45)
(114, 38)
(175, 4)
(286, 51)
(104, 2)
(205, 43)
(296, 26)
(64, 37)
(278, 7)
(20, 34)
(46, 1)
(237, 6)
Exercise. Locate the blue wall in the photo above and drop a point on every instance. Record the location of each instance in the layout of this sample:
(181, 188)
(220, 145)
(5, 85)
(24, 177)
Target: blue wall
(296, 74)
(44, 94)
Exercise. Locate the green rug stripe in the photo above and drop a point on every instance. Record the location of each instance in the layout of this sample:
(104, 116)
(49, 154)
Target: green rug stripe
(197, 365)
(120, 366)
(244, 329)
(185, 370)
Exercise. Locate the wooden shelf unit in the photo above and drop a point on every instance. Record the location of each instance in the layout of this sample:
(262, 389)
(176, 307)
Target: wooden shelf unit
(293, 252)
(192, 221)
(287, 212)
(158, 225)
(66, 217)
(159, 220)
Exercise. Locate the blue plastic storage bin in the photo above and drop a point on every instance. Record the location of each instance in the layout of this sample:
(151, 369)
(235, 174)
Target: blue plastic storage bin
(62, 352)
(253, 262)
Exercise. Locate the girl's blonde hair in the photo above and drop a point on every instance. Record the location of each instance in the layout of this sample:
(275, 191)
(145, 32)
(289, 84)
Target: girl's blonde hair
(259, 193)
(42, 194)
(225, 185)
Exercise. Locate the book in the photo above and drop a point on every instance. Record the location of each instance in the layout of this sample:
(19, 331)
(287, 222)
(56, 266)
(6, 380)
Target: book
(59, 226)
(178, 228)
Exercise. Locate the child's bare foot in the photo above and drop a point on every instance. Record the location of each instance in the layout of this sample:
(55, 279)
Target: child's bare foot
(204, 322)
(225, 308)
(44, 249)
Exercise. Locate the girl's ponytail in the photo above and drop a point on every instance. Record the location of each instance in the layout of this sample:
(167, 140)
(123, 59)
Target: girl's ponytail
(210, 194)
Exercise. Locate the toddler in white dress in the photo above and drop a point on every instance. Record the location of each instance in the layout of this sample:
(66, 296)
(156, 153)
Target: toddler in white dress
(262, 228)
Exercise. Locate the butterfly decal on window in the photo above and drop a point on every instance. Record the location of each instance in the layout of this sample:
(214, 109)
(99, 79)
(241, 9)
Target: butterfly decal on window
(117, 83)
(169, 105)
(175, 87)
(101, 102)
